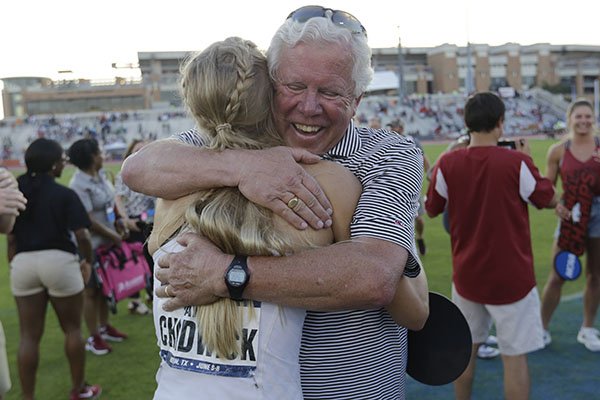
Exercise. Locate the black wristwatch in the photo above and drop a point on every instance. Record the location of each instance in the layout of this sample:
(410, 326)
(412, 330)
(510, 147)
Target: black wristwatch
(237, 277)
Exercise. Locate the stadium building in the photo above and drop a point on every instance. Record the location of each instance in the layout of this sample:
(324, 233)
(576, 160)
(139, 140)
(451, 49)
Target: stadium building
(567, 69)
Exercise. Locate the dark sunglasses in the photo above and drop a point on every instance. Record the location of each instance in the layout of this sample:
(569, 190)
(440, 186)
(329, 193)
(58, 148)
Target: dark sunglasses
(340, 18)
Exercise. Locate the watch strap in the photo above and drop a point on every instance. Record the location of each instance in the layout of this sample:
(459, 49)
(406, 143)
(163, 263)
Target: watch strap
(236, 291)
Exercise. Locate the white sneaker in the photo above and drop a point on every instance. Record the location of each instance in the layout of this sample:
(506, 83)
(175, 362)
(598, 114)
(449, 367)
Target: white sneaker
(590, 338)
(491, 340)
(486, 352)
(547, 338)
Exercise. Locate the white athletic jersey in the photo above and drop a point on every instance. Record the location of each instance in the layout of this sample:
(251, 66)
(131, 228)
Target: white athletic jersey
(267, 367)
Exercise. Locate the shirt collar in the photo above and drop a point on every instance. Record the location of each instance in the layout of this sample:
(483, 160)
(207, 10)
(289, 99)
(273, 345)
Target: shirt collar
(89, 178)
(348, 145)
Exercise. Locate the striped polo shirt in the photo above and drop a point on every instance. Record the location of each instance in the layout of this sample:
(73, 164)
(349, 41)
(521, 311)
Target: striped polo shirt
(361, 354)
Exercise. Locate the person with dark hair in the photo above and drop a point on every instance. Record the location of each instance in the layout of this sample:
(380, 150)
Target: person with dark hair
(486, 189)
(46, 267)
(576, 159)
(98, 197)
(320, 64)
(486, 350)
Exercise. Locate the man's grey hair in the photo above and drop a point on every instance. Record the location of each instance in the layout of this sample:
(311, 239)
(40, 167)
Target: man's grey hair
(323, 30)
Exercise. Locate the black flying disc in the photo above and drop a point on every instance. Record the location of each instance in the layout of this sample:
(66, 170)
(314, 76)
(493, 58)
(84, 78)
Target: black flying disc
(440, 352)
(567, 265)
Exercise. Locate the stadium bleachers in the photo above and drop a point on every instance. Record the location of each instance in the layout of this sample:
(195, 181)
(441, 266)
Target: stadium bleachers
(429, 117)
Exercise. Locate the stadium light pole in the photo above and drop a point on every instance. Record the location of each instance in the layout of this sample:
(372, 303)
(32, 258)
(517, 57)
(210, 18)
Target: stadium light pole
(400, 70)
(469, 86)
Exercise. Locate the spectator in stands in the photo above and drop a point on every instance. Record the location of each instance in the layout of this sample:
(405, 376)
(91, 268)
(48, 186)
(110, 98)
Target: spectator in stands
(12, 202)
(45, 265)
(486, 189)
(137, 212)
(397, 126)
(578, 154)
(98, 197)
(321, 70)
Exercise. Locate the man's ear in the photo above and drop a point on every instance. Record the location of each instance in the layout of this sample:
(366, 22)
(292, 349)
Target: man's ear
(500, 125)
(356, 102)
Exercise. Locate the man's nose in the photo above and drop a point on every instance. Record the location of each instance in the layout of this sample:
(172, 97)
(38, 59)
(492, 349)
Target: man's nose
(310, 103)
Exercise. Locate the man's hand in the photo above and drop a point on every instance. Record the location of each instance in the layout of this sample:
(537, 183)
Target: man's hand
(522, 145)
(7, 180)
(12, 201)
(194, 276)
(273, 177)
(563, 212)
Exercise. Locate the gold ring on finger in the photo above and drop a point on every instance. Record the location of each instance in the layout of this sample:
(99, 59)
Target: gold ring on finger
(293, 203)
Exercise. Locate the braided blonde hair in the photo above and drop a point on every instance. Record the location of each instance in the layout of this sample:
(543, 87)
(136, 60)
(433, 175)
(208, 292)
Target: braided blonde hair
(227, 89)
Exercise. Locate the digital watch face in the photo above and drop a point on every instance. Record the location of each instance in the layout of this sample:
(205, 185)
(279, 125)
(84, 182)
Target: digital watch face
(236, 276)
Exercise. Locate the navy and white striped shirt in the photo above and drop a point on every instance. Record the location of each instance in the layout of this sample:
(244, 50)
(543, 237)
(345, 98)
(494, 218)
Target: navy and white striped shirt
(361, 354)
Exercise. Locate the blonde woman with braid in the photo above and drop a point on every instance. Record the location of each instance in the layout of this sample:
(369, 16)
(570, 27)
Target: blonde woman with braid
(236, 349)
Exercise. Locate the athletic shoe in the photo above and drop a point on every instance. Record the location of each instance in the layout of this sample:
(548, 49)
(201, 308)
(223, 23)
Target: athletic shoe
(111, 333)
(97, 345)
(87, 392)
(547, 338)
(137, 307)
(590, 338)
(421, 245)
(486, 352)
(491, 340)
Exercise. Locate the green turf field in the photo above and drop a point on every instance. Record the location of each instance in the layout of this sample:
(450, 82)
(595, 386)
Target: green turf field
(128, 372)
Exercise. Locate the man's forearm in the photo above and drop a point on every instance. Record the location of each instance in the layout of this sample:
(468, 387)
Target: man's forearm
(6, 223)
(350, 275)
(170, 169)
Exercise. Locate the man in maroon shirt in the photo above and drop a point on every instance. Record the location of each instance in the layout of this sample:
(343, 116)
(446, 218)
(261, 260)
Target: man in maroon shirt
(486, 188)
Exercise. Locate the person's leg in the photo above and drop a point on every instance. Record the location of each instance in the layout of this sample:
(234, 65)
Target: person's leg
(5, 383)
(551, 293)
(90, 310)
(102, 309)
(32, 315)
(519, 331)
(463, 385)
(69, 310)
(591, 294)
(107, 331)
(516, 377)
(479, 321)
(419, 227)
(588, 335)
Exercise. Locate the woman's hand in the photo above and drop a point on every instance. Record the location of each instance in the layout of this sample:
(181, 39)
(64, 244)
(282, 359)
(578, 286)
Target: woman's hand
(131, 224)
(122, 229)
(563, 212)
(86, 270)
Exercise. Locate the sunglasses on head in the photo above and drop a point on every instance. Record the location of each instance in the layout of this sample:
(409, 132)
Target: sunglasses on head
(340, 18)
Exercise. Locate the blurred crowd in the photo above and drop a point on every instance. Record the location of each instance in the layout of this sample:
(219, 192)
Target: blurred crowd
(427, 117)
